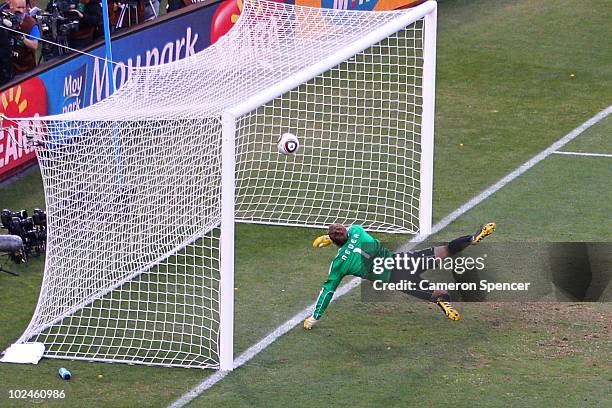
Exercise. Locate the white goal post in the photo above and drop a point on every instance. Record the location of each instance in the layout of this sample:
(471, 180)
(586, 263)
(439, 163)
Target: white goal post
(144, 188)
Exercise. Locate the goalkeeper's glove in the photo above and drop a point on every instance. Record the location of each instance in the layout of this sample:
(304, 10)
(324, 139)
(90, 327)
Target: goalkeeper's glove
(309, 322)
(322, 241)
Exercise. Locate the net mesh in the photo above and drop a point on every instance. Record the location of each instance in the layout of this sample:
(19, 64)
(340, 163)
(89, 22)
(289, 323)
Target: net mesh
(359, 126)
(133, 183)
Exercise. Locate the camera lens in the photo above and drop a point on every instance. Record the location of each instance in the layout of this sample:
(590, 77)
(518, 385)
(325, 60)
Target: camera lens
(39, 217)
(5, 216)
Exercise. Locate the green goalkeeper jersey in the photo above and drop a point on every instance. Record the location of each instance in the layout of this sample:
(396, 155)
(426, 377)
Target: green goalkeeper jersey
(355, 258)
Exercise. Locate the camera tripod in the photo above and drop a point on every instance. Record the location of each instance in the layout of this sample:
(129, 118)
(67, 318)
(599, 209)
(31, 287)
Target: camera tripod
(2, 269)
(50, 51)
(129, 7)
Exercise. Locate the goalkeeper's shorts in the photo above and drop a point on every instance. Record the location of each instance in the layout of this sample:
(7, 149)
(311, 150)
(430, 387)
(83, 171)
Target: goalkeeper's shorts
(414, 275)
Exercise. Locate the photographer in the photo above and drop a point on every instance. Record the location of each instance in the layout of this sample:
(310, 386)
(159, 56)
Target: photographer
(23, 46)
(89, 13)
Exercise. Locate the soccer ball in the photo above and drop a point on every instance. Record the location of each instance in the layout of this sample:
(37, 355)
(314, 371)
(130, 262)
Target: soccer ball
(288, 144)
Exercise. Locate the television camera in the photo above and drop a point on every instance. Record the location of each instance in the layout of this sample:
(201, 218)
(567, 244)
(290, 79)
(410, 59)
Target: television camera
(56, 24)
(13, 21)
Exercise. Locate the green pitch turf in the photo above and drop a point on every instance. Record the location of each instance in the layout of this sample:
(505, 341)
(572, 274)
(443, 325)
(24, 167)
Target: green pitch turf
(505, 91)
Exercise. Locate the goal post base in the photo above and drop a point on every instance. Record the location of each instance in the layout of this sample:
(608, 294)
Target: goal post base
(26, 353)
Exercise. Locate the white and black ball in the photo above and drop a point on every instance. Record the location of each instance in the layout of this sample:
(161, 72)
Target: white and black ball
(288, 144)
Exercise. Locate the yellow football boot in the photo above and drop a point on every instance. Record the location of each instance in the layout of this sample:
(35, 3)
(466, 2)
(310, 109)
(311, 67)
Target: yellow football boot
(485, 231)
(448, 309)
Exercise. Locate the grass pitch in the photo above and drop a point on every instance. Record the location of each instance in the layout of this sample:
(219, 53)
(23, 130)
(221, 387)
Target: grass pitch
(505, 91)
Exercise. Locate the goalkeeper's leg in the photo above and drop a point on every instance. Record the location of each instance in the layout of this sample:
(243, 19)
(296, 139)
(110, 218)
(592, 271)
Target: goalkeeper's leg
(459, 244)
(440, 298)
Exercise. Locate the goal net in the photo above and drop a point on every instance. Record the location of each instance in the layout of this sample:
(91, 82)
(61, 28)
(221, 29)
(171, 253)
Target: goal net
(143, 189)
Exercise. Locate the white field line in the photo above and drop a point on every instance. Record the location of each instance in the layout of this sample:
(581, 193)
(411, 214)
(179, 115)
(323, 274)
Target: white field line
(344, 289)
(585, 154)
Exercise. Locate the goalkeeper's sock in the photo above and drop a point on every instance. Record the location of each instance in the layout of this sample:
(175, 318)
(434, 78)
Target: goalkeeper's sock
(459, 244)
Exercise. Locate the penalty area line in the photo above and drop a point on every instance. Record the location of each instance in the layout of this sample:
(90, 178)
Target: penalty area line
(585, 154)
(346, 288)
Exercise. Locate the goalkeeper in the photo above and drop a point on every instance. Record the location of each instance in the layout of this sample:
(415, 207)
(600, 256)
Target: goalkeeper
(356, 256)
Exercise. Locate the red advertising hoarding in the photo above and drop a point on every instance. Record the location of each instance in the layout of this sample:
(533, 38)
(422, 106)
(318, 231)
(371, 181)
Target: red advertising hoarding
(27, 99)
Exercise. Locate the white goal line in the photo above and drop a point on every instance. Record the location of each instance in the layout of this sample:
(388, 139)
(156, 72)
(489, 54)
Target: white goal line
(344, 289)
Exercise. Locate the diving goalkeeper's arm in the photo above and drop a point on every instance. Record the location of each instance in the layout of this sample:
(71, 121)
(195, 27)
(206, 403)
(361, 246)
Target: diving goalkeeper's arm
(325, 296)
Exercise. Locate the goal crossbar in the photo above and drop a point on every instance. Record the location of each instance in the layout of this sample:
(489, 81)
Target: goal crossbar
(331, 61)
